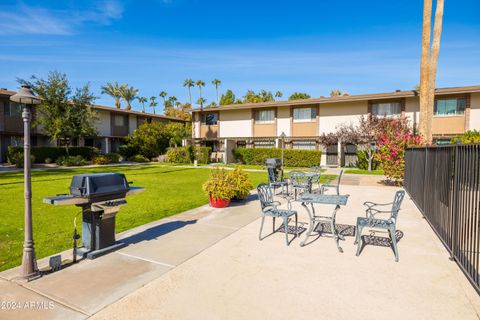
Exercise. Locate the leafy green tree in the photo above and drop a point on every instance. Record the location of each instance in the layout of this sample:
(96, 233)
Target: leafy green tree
(335, 93)
(299, 96)
(216, 83)
(64, 115)
(153, 103)
(113, 90)
(177, 132)
(278, 94)
(227, 98)
(189, 83)
(128, 94)
(142, 100)
(262, 96)
(149, 140)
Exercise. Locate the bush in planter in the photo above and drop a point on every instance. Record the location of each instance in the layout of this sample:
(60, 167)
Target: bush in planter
(139, 158)
(241, 183)
(219, 185)
(71, 161)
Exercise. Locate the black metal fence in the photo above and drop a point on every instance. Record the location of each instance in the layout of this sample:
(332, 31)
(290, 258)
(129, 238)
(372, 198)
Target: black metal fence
(443, 182)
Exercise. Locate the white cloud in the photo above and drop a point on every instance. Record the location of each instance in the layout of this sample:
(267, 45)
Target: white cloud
(24, 19)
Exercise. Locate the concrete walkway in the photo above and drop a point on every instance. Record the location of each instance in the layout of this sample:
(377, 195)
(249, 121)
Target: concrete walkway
(209, 264)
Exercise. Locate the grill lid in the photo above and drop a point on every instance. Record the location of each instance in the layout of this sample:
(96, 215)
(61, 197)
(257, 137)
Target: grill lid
(98, 184)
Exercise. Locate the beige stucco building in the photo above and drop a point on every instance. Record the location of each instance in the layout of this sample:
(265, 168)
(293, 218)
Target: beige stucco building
(457, 110)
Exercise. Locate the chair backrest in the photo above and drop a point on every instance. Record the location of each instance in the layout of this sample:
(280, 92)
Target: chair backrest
(265, 195)
(339, 177)
(397, 202)
(298, 178)
(272, 175)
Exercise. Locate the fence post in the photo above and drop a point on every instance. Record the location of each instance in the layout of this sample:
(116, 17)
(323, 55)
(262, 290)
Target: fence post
(455, 203)
(424, 182)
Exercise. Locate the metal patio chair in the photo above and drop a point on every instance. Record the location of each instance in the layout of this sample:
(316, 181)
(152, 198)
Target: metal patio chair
(276, 182)
(316, 179)
(370, 221)
(270, 209)
(335, 185)
(300, 183)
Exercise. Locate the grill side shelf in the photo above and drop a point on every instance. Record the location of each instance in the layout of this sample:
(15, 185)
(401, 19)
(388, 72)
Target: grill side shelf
(64, 200)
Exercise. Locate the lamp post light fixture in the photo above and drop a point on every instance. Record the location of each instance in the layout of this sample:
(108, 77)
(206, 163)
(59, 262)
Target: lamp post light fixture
(283, 136)
(27, 98)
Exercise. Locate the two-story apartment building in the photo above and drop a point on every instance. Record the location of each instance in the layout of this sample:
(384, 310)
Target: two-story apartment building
(113, 125)
(457, 110)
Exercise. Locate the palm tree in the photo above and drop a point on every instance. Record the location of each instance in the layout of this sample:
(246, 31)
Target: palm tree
(428, 66)
(153, 103)
(189, 83)
(335, 93)
(113, 90)
(200, 84)
(278, 94)
(142, 100)
(128, 94)
(201, 101)
(172, 101)
(163, 94)
(216, 83)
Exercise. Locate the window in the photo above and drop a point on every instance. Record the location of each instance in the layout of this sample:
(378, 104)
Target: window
(120, 120)
(449, 107)
(304, 145)
(264, 116)
(386, 109)
(13, 109)
(210, 119)
(241, 144)
(264, 144)
(304, 114)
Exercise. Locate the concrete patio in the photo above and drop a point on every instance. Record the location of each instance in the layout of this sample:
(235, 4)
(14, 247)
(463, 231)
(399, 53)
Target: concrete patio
(209, 264)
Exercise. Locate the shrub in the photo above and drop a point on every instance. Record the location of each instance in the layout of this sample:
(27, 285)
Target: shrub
(219, 185)
(48, 160)
(71, 161)
(362, 161)
(471, 136)
(241, 183)
(292, 157)
(17, 159)
(202, 154)
(180, 154)
(139, 158)
(42, 153)
(127, 150)
(106, 158)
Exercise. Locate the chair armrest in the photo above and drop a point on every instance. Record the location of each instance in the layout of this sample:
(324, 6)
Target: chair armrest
(371, 212)
(370, 204)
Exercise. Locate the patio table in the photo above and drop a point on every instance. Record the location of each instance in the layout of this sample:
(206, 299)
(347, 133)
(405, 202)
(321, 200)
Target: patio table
(336, 200)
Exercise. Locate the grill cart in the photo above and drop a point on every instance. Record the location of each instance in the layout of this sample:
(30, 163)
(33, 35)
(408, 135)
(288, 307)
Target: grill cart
(99, 196)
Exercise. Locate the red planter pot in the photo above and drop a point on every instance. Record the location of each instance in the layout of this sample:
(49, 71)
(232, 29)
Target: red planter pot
(219, 203)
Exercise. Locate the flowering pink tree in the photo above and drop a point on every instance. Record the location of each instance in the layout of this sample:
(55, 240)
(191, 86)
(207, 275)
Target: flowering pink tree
(394, 135)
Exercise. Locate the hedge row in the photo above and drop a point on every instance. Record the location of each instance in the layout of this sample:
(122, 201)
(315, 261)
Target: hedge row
(53, 153)
(188, 154)
(292, 157)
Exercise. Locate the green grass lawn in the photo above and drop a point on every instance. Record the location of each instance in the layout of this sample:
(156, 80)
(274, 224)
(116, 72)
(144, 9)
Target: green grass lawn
(360, 171)
(169, 190)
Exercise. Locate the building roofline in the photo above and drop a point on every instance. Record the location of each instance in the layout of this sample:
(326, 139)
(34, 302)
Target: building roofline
(345, 98)
(5, 92)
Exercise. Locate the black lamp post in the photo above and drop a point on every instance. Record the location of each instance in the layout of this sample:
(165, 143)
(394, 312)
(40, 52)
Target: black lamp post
(27, 98)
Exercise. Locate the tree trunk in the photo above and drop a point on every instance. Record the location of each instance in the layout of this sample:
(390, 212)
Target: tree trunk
(117, 103)
(190, 97)
(424, 66)
(432, 70)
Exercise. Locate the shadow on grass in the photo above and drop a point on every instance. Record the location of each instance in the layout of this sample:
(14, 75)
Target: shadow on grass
(156, 231)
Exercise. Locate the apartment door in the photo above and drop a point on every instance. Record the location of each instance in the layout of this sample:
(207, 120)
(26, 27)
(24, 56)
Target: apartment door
(349, 155)
(332, 155)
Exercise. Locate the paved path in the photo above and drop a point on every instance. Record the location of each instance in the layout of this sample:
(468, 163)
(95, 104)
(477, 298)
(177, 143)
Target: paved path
(209, 264)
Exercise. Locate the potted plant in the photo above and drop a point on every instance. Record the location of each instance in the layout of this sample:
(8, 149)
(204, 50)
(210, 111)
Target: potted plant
(241, 184)
(219, 188)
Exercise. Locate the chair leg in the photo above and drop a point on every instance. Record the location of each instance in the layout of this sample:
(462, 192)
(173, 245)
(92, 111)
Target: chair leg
(261, 228)
(296, 224)
(358, 240)
(273, 225)
(393, 236)
(285, 222)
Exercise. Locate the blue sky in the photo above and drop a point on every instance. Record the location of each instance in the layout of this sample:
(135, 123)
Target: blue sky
(309, 46)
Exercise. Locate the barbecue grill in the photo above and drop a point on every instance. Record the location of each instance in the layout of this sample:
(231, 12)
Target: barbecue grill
(100, 197)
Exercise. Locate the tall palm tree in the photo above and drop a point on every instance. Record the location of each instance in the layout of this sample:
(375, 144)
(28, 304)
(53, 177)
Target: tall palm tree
(128, 94)
(201, 101)
(142, 100)
(189, 83)
(113, 90)
(216, 83)
(163, 94)
(278, 94)
(428, 66)
(172, 101)
(200, 84)
(153, 103)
